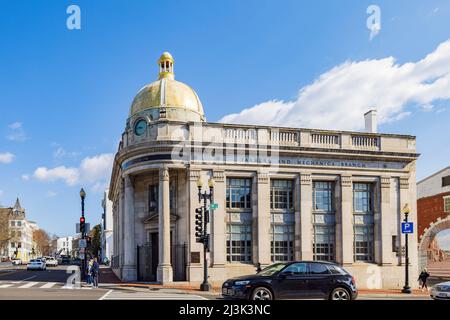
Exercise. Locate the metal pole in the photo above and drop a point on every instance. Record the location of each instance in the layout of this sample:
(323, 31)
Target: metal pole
(205, 286)
(406, 288)
(83, 235)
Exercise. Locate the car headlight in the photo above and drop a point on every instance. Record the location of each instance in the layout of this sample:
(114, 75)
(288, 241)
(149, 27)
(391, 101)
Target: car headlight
(242, 283)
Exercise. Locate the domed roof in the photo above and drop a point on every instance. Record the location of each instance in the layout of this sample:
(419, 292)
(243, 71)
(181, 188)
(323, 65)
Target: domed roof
(181, 101)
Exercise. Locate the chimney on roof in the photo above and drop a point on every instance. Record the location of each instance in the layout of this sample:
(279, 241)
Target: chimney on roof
(370, 119)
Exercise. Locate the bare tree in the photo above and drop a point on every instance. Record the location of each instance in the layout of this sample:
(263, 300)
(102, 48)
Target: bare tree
(42, 240)
(5, 234)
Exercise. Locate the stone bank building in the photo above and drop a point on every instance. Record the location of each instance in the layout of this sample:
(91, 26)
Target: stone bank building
(283, 194)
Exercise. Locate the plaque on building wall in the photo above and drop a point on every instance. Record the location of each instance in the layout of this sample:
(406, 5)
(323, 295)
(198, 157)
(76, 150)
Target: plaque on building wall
(195, 257)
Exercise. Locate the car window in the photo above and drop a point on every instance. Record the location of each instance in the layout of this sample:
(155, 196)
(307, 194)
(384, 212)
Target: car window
(297, 268)
(318, 268)
(336, 270)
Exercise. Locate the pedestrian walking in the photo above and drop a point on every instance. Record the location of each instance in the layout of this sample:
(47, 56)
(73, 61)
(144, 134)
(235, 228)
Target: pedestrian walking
(423, 279)
(95, 273)
(89, 272)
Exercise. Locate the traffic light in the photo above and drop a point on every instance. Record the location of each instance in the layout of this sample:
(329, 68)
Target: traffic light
(82, 224)
(199, 224)
(88, 240)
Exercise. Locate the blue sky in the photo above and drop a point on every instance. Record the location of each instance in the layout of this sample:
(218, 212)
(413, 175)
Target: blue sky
(65, 94)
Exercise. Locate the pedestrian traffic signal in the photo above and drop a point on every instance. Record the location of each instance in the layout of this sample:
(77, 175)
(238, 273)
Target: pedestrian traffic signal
(199, 224)
(88, 240)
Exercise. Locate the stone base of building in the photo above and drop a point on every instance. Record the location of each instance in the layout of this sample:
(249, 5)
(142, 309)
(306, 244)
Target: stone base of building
(129, 274)
(372, 276)
(164, 274)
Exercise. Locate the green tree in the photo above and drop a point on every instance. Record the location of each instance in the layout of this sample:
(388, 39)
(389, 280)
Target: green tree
(95, 234)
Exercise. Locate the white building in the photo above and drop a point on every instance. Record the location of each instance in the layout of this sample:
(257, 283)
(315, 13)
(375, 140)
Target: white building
(64, 246)
(20, 244)
(283, 194)
(107, 228)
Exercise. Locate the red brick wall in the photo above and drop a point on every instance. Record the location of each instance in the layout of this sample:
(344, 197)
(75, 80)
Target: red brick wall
(429, 209)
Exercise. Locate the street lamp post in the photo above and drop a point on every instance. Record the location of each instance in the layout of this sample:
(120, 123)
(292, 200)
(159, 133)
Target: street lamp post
(83, 233)
(205, 196)
(406, 287)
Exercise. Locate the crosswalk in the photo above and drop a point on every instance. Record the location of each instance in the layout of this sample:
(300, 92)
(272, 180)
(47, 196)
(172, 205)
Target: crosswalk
(36, 284)
(148, 295)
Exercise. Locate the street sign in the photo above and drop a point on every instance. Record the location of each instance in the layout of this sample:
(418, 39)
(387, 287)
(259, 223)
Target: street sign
(82, 243)
(213, 206)
(81, 256)
(82, 250)
(407, 227)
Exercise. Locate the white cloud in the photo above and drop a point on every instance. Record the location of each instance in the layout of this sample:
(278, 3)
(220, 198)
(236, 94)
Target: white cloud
(69, 175)
(92, 170)
(6, 157)
(60, 153)
(51, 194)
(443, 239)
(17, 133)
(25, 177)
(339, 97)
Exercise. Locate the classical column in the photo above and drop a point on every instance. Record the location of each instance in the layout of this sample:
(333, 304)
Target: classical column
(218, 221)
(387, 220)
(297, 221)
(195, 256)
(263, 219)
(306, 226)
(164, 272)
(129, 250)
(346, 219)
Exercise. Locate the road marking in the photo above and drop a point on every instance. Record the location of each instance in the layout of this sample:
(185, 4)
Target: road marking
(28, 285)
(32, 277)
(48, 285)
(105, 295)
(5, 285)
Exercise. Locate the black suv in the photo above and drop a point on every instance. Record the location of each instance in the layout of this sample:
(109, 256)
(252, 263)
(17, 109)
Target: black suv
(294, 280)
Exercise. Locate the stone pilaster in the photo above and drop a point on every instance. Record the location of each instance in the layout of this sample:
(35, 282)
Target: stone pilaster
(306, 216)
(387, 219)
(218, 221)
(263, 219)
(129, 253)
(346, 219)
(164, 270)
(297, 221)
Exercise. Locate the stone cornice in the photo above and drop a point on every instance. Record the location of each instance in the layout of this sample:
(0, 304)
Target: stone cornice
(346, 180)
(404, 182)
(385, 182)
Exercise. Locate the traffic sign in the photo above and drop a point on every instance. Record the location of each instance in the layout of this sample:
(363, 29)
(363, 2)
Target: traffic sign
(81, 256)
(82, 243)
(82, 250)
(407, 227)
(213, 206)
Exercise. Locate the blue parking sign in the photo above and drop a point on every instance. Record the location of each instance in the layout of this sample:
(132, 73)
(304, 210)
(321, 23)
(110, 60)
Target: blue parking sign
(407, 227)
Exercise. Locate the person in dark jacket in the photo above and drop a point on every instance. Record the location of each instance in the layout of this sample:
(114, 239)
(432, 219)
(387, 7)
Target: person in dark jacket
(95, 273)
(423, 279)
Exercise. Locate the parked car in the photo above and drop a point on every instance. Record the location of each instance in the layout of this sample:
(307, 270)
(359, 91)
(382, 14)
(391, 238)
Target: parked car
(76, 262)
(16, 262)
(51, 262)
(36, 264)
(294, 280)
(65, 260)
(440, 291)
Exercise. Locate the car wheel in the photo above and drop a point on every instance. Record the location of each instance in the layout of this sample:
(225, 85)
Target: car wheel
(340, 294)
(262, 293)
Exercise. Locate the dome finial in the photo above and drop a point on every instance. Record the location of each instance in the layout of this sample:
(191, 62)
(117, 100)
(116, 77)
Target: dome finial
(165, 63)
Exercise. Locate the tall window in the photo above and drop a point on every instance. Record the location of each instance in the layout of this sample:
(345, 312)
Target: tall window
(282, 227)
(447, 204)
(363, 246)
(153, 198)
(239, 227)
(323, 221)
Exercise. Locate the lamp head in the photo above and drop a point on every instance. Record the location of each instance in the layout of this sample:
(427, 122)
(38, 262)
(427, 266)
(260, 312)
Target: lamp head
(82, 193)
(211, 182)
(199, 183)
(406, 209)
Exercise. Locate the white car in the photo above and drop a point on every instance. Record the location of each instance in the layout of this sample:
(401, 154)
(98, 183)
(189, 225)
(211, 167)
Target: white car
(36, 264)
(441, 291)
(51, 262)
(16, 262)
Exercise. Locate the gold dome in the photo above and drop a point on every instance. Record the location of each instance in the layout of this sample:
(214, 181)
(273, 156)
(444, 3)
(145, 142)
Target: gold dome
(177, 100)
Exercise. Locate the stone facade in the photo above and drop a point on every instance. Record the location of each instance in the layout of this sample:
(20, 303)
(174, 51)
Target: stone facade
(282, 194)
